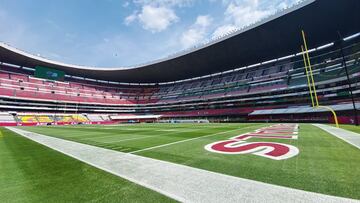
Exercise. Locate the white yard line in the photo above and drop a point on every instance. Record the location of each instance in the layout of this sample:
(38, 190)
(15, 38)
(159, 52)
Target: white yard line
(187, 140)
(345, 135)
(167, 130)
(182, 183)
(108, 135)
(122, 140)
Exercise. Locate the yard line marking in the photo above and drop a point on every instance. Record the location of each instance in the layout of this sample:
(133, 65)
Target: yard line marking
(135, 138)
(191, 139)
(85, 134)
(108, 135)
(123, 150)
(145, 136)
(168, 130)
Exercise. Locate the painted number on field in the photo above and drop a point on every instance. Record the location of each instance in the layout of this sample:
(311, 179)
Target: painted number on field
(271, 150)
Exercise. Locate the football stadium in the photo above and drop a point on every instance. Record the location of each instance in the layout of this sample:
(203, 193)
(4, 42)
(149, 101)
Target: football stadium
(265, 113)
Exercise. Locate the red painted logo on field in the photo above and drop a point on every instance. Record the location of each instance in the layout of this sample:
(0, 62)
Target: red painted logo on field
(272, 150)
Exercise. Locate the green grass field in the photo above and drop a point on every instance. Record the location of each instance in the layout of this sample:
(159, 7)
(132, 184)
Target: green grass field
(325, 163)
(30, 172)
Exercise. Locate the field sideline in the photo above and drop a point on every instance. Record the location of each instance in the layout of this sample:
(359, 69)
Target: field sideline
(325, 164)
(352, 128)
(30, 172)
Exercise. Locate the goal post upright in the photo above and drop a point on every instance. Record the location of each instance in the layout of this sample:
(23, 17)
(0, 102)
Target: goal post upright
(310, 68)
(307, 76)
(311, 81)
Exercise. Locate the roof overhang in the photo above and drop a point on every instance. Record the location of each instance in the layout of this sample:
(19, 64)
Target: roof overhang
(274, 37)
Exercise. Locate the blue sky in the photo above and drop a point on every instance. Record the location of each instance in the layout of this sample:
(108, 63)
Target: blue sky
(114, 33)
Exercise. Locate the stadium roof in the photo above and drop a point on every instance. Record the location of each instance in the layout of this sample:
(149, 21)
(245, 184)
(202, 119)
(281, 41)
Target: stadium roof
(274, 37)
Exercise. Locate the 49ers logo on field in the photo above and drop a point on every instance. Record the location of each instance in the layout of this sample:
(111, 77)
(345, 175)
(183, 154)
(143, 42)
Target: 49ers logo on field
(272, 150)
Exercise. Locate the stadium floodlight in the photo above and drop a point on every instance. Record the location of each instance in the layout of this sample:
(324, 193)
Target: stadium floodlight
(254, 65)
(352, 37)
(270, 61)
(325, 46)
(286, 57)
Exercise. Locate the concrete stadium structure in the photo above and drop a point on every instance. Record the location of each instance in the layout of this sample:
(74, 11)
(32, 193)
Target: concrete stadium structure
(253, 74)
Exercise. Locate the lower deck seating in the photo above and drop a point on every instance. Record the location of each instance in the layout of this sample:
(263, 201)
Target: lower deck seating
(64, 119)
(95, 118)
(79, 118)
(45, 119)
(7, 118)
(105, 117)
(28, 119)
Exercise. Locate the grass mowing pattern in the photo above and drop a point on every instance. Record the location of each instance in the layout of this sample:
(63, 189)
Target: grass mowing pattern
(325, 164)
(30, 172)
(128, 138)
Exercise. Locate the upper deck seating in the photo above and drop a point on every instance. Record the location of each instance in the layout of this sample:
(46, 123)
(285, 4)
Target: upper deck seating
(257, 80)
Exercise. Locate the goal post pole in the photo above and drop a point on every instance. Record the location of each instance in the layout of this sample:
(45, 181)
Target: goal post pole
(308, 69)
(333, 112)
(308, 77)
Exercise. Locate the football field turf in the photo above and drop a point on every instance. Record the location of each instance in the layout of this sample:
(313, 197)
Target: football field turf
(325, 164)
(30, 172)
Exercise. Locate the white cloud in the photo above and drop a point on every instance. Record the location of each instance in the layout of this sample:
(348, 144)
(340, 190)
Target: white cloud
(203, 21)
(197, 32)
(131, 18)
(157, 15)
(223, 30)
(166, 3)
(283, 5)
(241, 13)
(156, 19)
(191, 37)
(245, 13)
(126, 4)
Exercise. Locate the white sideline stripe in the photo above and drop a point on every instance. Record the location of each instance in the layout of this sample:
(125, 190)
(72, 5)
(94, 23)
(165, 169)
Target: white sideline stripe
(345, 135)
(182, 183)
(191, 139)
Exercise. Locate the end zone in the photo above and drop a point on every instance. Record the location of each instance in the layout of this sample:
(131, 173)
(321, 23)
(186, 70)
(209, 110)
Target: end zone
(271, 150)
